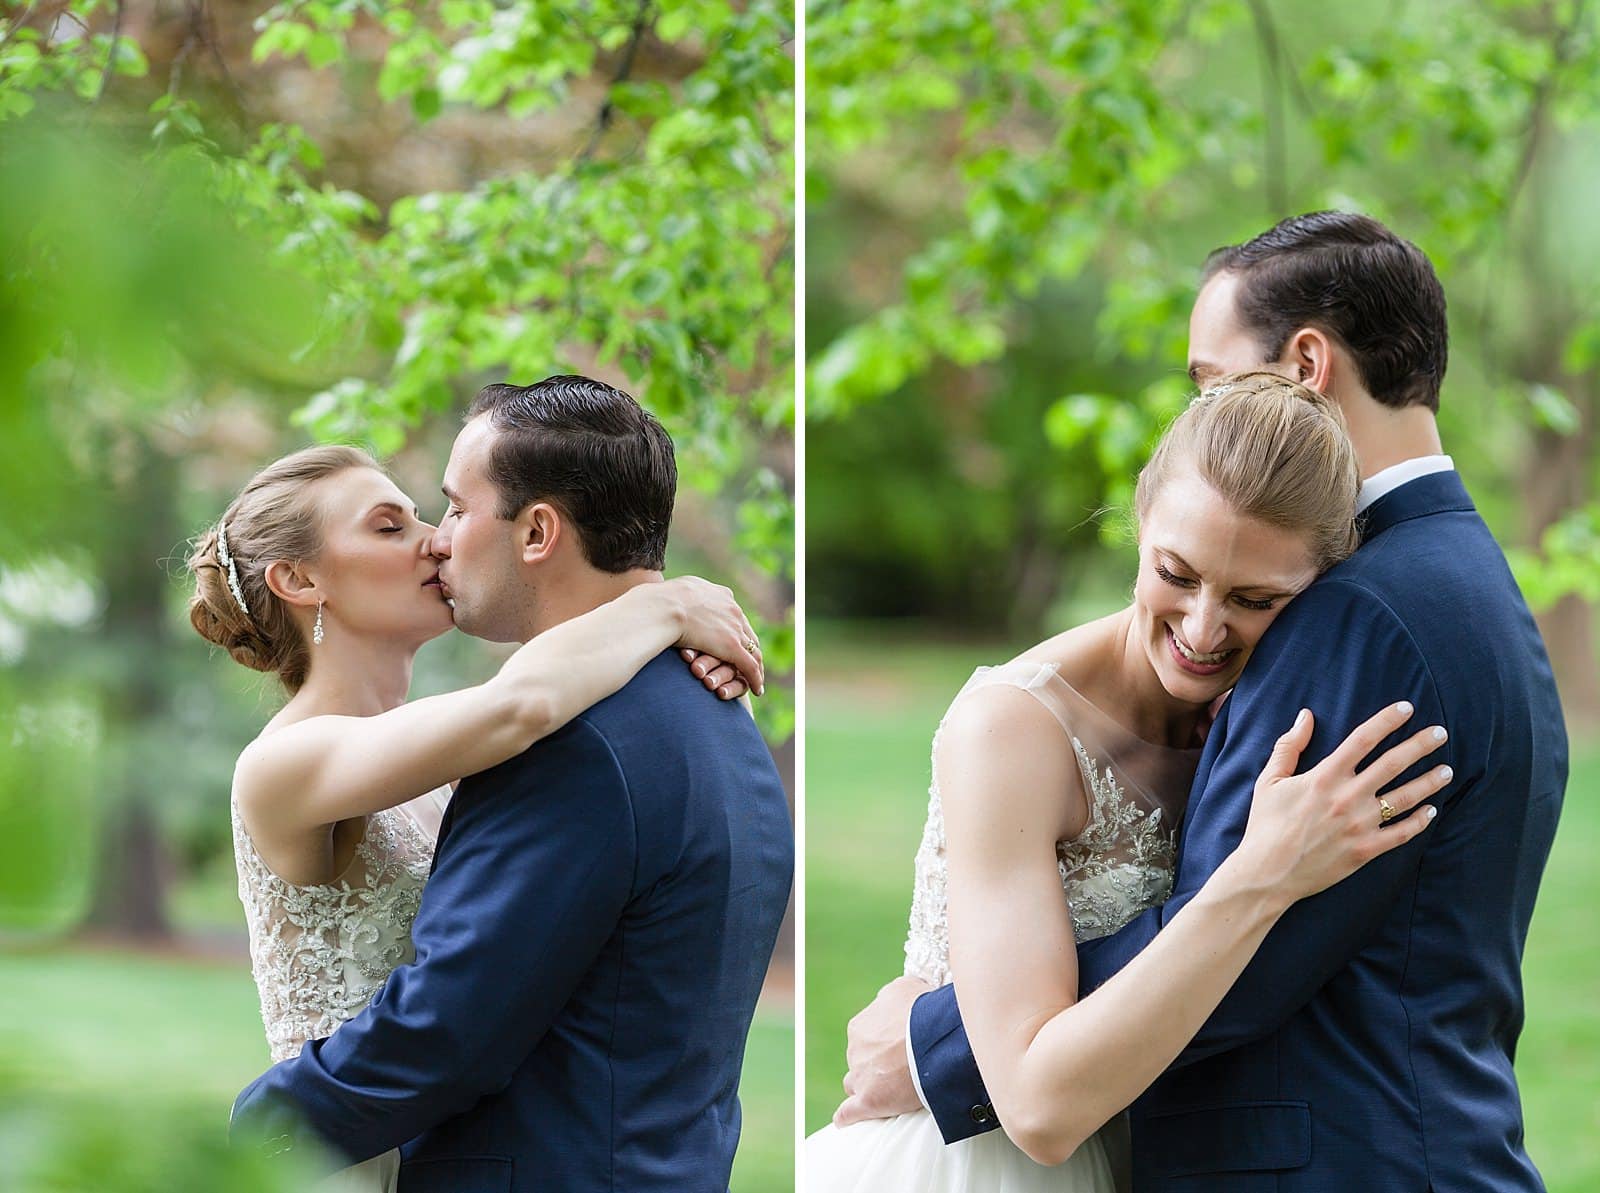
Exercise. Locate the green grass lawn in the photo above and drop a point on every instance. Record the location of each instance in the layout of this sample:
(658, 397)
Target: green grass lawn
(867, 739)
(88, 1040)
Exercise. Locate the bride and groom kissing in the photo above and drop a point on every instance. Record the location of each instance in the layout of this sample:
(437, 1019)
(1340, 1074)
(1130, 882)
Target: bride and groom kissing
(545, 977)
(1315, 985)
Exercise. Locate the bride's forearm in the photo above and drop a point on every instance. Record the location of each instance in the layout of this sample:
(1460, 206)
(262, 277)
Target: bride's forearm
(1091, 1059)
(331, 768)
(580, 662)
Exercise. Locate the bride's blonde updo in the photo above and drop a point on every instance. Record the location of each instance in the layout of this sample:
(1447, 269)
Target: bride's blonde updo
(1273, 450)
(274, 517)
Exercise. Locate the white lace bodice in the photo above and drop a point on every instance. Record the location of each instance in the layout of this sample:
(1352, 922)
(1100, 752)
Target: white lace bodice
(1118, 866)
(319, 953)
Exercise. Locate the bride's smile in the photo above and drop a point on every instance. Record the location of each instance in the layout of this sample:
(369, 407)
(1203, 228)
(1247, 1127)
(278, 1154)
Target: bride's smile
(1211, 580)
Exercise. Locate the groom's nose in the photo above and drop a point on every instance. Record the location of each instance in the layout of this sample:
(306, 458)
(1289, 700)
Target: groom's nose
(439, 543)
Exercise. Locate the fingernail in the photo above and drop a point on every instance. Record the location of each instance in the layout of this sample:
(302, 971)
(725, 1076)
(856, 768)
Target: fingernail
(1301, 719)
(1404, 708)
(1438, 733)
(1431, 812)
(1446, 773)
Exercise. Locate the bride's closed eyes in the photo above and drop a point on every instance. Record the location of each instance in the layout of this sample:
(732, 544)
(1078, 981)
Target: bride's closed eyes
(1259, 605)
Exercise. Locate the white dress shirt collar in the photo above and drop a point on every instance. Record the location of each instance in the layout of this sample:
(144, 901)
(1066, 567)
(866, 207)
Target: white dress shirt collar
(1383, 483)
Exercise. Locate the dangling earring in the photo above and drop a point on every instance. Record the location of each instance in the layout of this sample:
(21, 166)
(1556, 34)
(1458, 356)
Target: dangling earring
(316, 630)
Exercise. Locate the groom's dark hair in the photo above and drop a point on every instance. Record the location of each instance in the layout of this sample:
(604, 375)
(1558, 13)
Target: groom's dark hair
(595, 454)
(1351, 277)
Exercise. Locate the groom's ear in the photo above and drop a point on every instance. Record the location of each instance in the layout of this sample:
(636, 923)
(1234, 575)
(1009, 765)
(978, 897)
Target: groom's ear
(290, 583)
(1309, 356)
(540, 529)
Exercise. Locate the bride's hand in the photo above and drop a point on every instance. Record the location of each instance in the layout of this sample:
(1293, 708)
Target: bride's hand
(718, 643)
(1307, 832)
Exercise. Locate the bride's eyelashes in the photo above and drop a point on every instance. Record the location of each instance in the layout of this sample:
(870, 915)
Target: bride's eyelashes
(1178, 581)
(1175, 580)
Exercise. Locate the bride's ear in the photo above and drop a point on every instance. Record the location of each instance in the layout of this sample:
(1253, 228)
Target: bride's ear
(290, 584)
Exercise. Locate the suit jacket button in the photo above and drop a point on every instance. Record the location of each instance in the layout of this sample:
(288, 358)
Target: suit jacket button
(980, 1114)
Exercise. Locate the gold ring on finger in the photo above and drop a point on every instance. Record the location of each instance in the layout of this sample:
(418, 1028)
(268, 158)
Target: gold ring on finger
(752, 645)
(1386, 811)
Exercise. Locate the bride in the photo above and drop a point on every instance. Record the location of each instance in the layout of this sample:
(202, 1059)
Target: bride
(320, 571)
(1058, 782)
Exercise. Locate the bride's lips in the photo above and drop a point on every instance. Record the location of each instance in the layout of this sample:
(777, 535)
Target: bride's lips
(437, 582)
(1192, 667)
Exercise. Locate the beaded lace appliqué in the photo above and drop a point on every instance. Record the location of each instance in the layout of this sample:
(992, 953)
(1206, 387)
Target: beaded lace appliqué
(1121, 863)
(319, 953)
(1119, 866)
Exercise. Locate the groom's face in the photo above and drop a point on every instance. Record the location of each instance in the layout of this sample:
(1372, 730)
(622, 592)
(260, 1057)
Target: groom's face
(1219, 342)
(479, 552)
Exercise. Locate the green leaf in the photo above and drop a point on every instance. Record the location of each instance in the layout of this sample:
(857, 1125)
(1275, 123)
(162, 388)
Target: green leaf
(426, 103)
(323, 50)
(1553, 410)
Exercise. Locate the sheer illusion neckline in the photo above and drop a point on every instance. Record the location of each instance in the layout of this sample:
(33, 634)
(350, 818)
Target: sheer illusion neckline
(1103, 718)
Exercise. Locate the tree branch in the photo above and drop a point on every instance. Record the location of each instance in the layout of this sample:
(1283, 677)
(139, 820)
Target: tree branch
(16, 25)
(213, 43)
(1539, 111)
(1274, 151)
(642, 21)
(111, 54)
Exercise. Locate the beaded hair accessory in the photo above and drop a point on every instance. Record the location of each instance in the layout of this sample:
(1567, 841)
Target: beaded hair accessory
(233, 571)
(1214, 392)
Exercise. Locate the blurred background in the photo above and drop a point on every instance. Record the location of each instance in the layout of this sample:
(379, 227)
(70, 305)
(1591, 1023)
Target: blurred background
(1007, 208)
(228, 230)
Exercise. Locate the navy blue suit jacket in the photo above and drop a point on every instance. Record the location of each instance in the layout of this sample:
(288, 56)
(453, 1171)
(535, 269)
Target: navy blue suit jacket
(590, 948)
(1369, 1044)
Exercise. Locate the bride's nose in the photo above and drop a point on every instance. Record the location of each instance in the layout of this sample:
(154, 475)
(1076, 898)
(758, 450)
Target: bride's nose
(1204, 627)
(429, 531)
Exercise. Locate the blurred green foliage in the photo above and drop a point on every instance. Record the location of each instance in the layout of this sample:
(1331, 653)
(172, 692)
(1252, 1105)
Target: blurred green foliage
(170, 241)
(1007, 207)
(208, 254)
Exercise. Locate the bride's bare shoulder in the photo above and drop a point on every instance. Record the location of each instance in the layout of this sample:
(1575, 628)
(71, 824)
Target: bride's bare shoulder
(1001, 752)
(1081, 655)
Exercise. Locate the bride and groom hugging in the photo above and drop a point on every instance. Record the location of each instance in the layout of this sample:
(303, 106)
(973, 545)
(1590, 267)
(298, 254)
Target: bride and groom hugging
(546, 979)
(1309, 987)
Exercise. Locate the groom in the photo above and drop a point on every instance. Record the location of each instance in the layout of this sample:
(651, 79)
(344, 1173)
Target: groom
(1369, 1044)
(602, 908)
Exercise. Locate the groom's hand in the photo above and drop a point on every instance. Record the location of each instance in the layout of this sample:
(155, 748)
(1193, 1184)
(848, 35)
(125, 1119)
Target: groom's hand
(879, 1081)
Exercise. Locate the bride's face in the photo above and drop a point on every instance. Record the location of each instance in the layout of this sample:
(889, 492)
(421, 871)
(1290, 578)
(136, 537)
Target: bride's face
(375, 573)
(1210, 583)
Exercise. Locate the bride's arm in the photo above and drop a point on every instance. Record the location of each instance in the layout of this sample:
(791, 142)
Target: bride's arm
(1056, 1068)
(326, 769)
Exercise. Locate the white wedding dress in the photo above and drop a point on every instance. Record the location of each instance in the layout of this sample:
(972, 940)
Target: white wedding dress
(319, 953)
(1117, 867)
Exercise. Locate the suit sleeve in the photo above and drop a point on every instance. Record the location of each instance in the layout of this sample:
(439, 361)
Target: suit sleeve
(1339, 651)
(1349, 657)
(529, 884)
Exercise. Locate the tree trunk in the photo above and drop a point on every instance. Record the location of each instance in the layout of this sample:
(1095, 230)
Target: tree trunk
(134, 871)
(1556, 481)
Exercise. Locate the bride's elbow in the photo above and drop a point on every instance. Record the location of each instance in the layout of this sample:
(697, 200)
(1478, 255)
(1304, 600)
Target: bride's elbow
(1046, 1140)
(534, 716)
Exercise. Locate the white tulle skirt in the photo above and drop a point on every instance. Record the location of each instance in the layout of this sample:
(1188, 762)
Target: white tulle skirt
(907, 1155)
